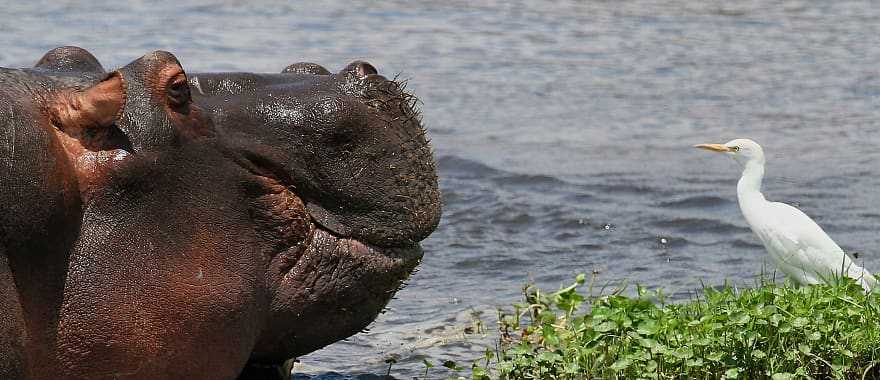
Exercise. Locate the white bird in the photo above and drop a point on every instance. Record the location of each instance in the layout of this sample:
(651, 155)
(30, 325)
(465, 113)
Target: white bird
(796, 244)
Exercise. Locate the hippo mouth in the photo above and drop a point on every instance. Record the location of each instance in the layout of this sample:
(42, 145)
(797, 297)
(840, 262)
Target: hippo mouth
(326, 242)
(334, 283)
(303, 227)
(325, 236)
(359, 247)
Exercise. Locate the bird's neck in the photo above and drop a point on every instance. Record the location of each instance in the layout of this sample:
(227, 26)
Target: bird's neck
(749, 186)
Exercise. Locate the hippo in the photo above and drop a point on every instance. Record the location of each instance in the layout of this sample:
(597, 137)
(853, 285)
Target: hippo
(239, 220)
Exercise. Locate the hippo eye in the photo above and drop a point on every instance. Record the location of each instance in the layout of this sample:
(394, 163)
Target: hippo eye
(178, 92)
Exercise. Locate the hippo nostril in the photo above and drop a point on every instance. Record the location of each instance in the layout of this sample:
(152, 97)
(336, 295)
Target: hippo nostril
(361, 68)
(365, 69)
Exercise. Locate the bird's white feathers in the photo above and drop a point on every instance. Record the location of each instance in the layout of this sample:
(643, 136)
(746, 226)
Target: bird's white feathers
(801, 249)
(796, 244)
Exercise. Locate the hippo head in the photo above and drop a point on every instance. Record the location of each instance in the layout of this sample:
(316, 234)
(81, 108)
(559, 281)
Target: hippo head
(354, 189)
(147, 233)
(270, 216)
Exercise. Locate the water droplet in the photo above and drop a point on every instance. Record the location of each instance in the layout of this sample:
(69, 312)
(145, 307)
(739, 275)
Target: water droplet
(663, 240)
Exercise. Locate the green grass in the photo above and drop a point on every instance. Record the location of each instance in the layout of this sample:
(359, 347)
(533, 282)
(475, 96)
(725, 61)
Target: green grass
(771, 331)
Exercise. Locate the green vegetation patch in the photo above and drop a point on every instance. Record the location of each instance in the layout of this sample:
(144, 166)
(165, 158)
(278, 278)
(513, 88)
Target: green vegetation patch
(772, 331)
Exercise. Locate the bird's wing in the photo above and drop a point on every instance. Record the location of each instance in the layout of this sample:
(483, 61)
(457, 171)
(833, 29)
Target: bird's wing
(796, 225)
(789, 254)
(807, 247)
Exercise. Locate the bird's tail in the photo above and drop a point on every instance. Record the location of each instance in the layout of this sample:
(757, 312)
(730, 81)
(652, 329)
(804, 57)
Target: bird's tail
(864, 278)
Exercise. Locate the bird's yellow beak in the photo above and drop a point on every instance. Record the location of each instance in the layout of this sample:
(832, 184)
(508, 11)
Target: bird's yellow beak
(713, 147)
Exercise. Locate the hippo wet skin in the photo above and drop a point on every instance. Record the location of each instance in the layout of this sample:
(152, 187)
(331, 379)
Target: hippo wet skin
(220, 237)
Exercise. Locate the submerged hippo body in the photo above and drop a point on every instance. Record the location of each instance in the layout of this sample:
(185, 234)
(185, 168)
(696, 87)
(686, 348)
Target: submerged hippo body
(238, 230)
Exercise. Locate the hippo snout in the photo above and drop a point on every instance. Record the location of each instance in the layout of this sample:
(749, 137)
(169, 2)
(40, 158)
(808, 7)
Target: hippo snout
(351, 143)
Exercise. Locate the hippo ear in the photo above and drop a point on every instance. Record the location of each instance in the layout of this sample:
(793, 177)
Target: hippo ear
(95, 107)
(70, 59)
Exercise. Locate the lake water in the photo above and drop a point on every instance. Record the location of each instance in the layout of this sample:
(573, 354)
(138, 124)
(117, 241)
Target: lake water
(563, 132)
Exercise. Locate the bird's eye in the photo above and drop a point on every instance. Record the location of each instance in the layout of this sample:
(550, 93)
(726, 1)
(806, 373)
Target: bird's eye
(734, 148)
